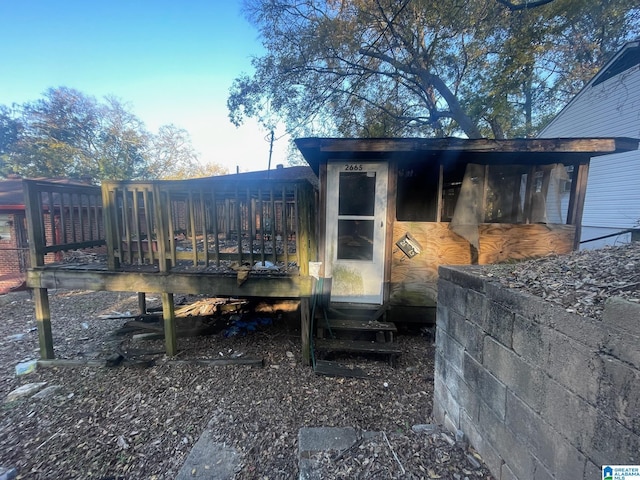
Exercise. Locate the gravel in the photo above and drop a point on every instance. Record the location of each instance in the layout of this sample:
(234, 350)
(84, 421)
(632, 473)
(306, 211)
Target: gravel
(140, 419)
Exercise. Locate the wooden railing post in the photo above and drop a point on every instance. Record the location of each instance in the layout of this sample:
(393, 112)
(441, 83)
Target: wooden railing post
(43, 321)
(35, 223)
(169, 317)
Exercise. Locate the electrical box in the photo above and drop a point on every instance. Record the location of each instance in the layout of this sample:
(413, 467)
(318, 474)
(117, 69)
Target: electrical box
(409, 245)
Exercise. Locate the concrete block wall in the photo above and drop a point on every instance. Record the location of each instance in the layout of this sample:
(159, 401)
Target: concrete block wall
(541, 393)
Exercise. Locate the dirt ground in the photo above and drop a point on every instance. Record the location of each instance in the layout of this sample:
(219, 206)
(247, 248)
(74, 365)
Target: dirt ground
(140, 419)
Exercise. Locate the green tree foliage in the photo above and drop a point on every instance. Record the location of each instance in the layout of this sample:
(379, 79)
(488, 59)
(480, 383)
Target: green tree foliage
(10, 129)
(425, 67)
(69, 134)
(171, 151)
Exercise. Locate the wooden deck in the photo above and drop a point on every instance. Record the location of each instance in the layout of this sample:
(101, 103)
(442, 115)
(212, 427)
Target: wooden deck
(99, 278)
(201, 236)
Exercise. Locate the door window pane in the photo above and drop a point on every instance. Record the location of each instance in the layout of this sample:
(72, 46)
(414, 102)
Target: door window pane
(355, 239)
(357, 193)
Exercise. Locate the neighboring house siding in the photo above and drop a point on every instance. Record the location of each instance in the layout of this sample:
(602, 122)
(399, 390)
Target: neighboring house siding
(613, 191)
(610, 109)
(13, 258)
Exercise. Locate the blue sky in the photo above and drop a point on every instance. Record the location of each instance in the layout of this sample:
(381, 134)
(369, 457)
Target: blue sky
(172, 61)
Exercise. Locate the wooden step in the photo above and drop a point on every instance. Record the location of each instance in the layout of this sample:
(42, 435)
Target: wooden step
(385, 330)
(358, 346)
(351, 325)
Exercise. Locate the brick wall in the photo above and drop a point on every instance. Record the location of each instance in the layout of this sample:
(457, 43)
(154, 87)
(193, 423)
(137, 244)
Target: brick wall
(540, 393)
(13, 260)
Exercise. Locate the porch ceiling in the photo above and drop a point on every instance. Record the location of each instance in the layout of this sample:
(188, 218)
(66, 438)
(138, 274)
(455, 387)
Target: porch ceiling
(484, 151)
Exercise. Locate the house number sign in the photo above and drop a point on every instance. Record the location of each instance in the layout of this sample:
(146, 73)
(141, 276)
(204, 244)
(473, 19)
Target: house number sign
(353, 167)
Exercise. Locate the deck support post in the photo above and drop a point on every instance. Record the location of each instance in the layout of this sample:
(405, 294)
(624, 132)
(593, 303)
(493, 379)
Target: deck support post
(142, 303)
(305, 330)
(169, 317)
(43, 320)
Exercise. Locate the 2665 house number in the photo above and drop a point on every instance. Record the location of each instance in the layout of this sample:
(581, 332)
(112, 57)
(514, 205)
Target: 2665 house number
(353, 167)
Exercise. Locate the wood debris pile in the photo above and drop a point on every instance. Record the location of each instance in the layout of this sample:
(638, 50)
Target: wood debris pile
(580, 282)
(210, 306)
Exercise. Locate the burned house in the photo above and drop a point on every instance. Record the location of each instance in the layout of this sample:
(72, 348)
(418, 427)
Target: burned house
(377, 217)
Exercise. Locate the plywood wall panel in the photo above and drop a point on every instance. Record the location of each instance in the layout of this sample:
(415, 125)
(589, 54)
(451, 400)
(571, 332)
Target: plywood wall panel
(414, 281)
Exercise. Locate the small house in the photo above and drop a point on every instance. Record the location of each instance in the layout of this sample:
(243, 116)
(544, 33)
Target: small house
(609, 105)
(14, 249)
(393, 210)
(14, 240)
(373, 217)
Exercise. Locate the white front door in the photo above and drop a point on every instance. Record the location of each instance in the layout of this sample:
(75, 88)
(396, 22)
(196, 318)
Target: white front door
(355, 230)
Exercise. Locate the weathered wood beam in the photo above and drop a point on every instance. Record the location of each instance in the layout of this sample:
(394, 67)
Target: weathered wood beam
(169, 317)
(142, 303)
(551, 145)
(305, 330)
(576, 203)
(193, 283)
(220, 362)
(43, 320)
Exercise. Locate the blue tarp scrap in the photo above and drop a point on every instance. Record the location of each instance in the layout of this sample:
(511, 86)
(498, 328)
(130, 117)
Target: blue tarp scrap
(242, 327)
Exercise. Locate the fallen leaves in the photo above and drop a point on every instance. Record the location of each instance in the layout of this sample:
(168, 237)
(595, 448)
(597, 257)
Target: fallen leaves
(579, 282)
(141, 423)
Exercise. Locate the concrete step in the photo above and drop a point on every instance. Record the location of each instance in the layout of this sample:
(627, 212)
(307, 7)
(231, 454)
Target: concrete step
(325, 439)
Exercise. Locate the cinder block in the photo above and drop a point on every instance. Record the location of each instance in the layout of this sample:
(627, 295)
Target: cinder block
(569, 462)
(612, 443)
(468, 334)
(474, 341)
(487, 387)
(541, 473)
(584, 330)
(499, 323)
(549, 447)
(446, 402)
(514, 300)
(452, 295)
(569, 414)
(489, 455)
(619, 393)
(476, 307)
(623, 346)
(622, 314)
(442, 316)
(575, 366)
(463, 276)
(531, 341)
(467, 399)
(531, 427)
(437, 412)
(591, 470)
(455, 326)
(515, 453)
(450, 349)
(527, 381)
(507, 474)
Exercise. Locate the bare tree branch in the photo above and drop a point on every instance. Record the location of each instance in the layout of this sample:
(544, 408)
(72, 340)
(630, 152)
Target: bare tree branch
(514, 7)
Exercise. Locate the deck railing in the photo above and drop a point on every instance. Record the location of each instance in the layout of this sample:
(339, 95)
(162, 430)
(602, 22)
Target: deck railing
(205, 223)
(200, 223)
(62, 217)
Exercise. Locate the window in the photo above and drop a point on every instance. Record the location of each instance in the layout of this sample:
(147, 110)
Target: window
(356, 207)
(417, 199)
(6, 222)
